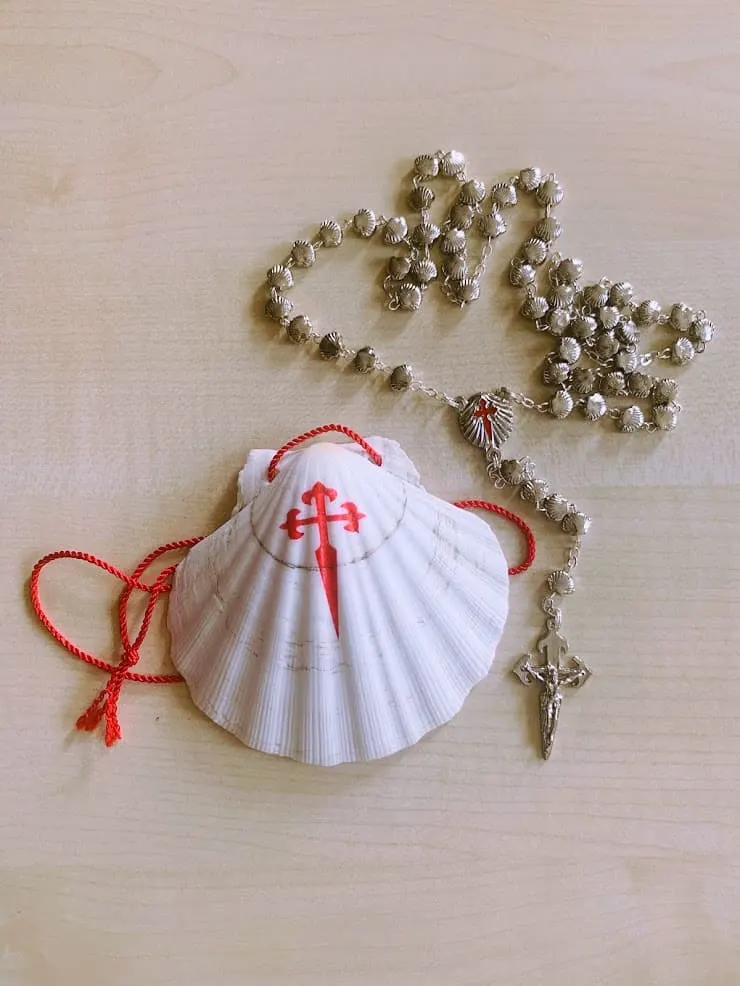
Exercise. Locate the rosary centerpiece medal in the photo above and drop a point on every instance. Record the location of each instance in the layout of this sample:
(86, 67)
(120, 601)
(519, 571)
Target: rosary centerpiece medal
(486, 419)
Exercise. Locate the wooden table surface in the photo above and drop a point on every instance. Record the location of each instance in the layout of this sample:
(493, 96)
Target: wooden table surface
(155, 159)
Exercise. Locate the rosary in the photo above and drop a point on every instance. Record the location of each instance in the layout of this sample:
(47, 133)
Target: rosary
(596, 367)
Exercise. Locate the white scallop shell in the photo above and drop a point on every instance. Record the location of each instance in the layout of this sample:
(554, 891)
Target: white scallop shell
(420, 602)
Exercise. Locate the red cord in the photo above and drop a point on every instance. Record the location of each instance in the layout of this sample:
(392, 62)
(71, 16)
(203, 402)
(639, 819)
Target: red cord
(106, 702)
(494, 508)
(358, 439)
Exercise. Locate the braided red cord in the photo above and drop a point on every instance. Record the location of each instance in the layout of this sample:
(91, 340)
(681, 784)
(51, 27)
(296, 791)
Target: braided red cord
(494, 508)
(106, 702)
(358, 439)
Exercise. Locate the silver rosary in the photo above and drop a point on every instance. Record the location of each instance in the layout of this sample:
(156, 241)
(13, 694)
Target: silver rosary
(596, 367)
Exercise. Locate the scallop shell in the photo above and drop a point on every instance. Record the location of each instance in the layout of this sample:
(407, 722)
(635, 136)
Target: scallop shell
(681, 317)
(455, 267)
(555, 371)
(561, 404)
(424, 271)
(427, 165)
(609, 317)
(621, 294)
(280, 277)
(570, 270)
(627, 360)
(666, 416)
(421, 198)
(682, 351)
(607, 345)
(453, 241)
(465, 290)
(452, 163)
(330, 233)
(278, 306)
(628, 333)
(595, 407)
(665, 390)
(702, 330)
(520, 273)
(462, 215)
(409, 296)
(303, 253)
(596, 295)
(365, 223)
(640, 384)
(331, 346)
(558, 321)
(504, 194)
(548, 229)
(328, 661)
(472, 192)
(395, 230)
(398, 267)
(562, 296)
(584, 327)
(425, 234)
(631, 419)
(529, 179)
(648, 312)
(492, 224)
(584, 379)
(569, 349)
(534, 306)
(535, 251)
(550, 192)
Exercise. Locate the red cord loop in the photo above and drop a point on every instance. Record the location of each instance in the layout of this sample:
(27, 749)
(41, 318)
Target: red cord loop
(343, 429)
(105, 703)
(494, 508)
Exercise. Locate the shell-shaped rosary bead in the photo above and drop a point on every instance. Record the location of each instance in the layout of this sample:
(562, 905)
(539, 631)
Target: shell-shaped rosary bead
(365, 360)
(330, 233)
(395, 230)
(280, 278)
(561, 404)
(364, 223)
(594, 407)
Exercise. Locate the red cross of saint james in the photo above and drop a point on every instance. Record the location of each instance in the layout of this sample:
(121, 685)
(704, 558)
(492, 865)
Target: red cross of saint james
(486, 413)
(326, 553)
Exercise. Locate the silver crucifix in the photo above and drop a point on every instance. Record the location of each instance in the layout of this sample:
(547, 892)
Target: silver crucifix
(552, 675)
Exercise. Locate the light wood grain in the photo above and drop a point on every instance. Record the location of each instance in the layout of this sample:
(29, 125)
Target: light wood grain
(155, 158)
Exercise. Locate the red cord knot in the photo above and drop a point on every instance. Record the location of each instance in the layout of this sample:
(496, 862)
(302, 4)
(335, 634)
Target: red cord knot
(105, 703)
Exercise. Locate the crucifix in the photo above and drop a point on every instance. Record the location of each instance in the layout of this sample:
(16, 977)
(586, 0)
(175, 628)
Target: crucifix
(326, 553)
(552, 674)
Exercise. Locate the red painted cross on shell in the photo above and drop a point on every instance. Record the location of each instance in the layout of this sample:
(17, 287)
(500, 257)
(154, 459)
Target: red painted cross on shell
(486, 413)
(326, 553)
